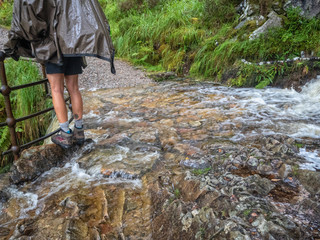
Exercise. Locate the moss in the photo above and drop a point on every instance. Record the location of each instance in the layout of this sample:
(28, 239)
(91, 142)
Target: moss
(201, 171)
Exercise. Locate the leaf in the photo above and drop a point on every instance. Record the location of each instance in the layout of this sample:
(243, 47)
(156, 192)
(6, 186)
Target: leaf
(263, 84)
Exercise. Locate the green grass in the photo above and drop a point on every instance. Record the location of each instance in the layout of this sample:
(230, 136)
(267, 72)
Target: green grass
(24, 102)
(6, 13)
(201, 36)
(199, 172)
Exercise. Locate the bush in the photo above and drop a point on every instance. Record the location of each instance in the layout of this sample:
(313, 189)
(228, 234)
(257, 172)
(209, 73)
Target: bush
(24, 102)
(6, 12)
(220, 11)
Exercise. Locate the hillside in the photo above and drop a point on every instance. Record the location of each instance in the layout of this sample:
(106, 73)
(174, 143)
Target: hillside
(215, 39)
(209, 38)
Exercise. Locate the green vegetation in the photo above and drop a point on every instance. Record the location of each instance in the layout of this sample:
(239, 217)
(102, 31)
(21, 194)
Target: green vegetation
(6, 13)
(299, 145)
(199, 38)
(247, 212)
(201, 171)
(24, 102)
(177, 193)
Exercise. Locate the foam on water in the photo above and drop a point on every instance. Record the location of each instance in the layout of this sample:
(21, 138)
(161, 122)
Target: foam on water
(313, 159)
(273, 111)
(27, 201)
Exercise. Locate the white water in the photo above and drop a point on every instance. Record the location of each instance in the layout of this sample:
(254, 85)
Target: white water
(275, 111)
(262, 112)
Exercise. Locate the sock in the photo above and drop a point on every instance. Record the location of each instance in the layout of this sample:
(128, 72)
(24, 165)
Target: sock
(78, 123)
(65, 127)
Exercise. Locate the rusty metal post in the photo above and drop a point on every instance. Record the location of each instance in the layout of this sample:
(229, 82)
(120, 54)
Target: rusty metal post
(11, 121)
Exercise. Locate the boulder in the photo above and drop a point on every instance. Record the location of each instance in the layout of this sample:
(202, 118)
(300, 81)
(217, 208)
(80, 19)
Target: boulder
(310, 8)
(273, 21)
(35, 161)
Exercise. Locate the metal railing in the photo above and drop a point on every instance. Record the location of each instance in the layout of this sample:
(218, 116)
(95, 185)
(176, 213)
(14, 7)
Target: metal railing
(5, 90)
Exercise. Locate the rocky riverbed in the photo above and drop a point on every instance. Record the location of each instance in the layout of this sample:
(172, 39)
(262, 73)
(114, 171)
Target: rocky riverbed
(175, 161)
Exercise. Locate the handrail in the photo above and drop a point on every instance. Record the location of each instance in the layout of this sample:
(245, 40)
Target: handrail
(5, 90)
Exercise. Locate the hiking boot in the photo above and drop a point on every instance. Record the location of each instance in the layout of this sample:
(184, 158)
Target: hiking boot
(78, 136)
(63, 139)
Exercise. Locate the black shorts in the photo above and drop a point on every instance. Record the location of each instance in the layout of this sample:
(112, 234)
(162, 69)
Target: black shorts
(71, 66)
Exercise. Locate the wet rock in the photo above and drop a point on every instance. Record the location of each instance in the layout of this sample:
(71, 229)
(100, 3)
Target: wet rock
(285, 171)
(253, 162)
(273, 21)
(195, 163)
(310, 8)
(35, 161)
(310, 180)
(4, 196)
(145, 135)
(77, 229)
(190, 190)
(168, 161)
(259, 185)
(267, 227)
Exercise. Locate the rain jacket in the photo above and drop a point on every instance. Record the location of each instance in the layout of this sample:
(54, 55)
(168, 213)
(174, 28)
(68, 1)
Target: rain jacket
(49, 29)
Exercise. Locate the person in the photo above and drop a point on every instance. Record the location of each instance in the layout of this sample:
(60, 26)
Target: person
(59, 33)
(57, 74)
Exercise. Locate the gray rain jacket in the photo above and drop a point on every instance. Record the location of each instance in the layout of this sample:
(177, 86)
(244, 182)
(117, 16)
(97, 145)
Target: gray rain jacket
(49, 29)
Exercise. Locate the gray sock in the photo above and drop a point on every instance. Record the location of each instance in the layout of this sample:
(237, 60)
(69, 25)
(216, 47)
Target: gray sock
(65, 126)
(78, 123)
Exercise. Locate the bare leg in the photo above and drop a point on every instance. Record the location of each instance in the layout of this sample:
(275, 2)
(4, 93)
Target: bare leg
(56, 82)
(76, 99)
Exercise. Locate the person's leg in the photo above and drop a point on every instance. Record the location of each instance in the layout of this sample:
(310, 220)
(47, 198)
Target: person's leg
(77, 108)
(57, 88)
(76, 99)
(64, 138)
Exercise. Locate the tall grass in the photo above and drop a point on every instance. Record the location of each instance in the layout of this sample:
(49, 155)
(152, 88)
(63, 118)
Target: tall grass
(24, 102)
(201, 36)
(6, 12)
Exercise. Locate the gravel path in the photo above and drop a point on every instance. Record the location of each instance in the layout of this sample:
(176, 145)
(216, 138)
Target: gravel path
(97, 74)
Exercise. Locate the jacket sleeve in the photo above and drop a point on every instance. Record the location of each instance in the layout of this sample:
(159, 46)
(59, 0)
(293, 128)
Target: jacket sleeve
(28, 25)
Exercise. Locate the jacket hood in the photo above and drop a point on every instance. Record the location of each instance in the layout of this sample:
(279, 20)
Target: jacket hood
(50, 29)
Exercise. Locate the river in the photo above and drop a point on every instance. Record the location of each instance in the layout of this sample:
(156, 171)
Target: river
(180, 161)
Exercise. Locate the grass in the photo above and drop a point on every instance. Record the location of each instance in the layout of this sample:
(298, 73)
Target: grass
(6, 13)
(24, 102)
(199, 38)
(199, 172)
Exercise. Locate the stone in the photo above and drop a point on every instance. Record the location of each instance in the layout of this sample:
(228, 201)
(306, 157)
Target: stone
(195, 163)
(35, 161)
(310, 8)
(273, 21)
(253, 162)
(147, 135)
(285, 170)
(259, 185)
(190, 190)
(310, 180)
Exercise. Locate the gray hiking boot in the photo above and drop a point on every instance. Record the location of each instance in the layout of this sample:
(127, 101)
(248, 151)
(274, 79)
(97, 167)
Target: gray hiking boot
(78, 136)
(63, 139)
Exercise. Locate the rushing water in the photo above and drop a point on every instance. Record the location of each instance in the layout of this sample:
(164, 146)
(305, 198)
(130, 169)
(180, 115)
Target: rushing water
(132, 131)
(276, 111)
